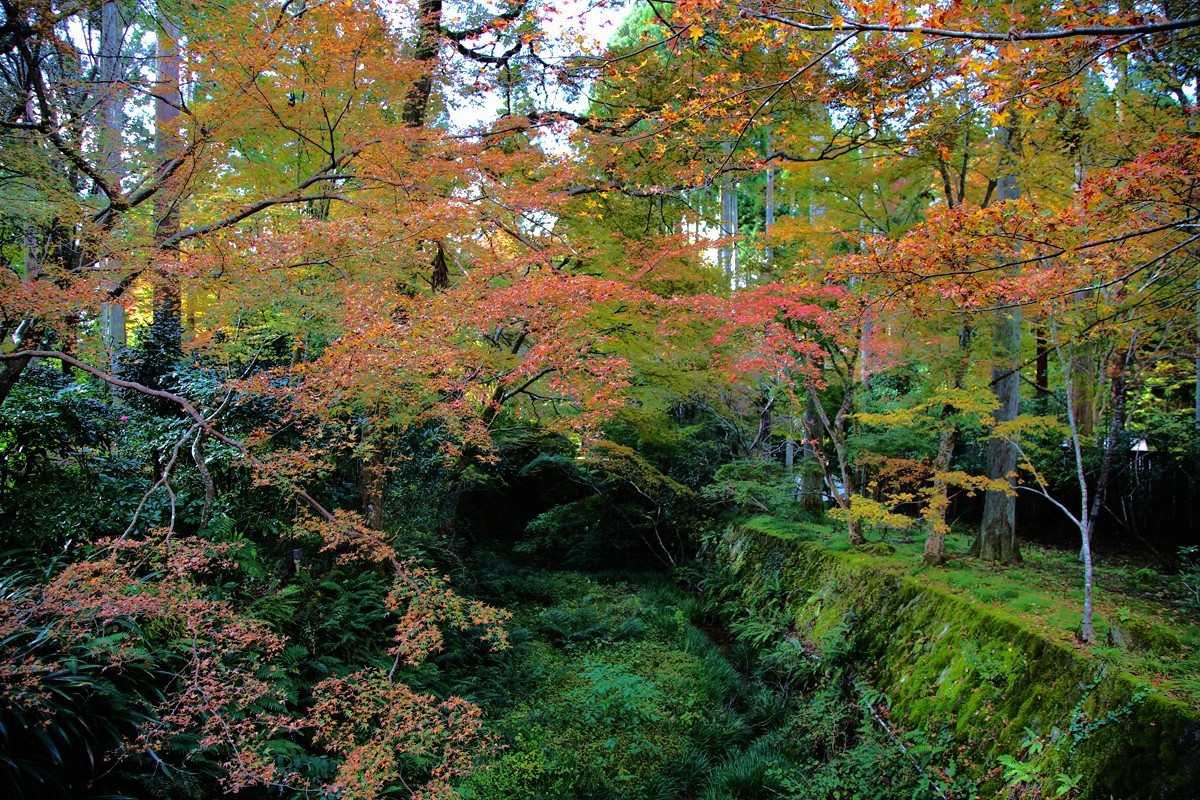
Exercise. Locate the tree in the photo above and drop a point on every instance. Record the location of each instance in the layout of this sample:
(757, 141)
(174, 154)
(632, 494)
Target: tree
(293, 198)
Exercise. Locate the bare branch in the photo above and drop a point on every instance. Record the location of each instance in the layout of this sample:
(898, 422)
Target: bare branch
(1105, 32)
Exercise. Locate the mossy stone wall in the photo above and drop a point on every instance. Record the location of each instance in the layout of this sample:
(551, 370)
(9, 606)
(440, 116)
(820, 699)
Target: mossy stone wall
(947, 663)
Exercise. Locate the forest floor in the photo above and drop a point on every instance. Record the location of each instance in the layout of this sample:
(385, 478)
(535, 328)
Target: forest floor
(616, 686)
(1142, 617)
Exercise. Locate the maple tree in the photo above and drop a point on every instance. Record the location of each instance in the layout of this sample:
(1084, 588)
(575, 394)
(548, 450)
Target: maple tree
(280, 171)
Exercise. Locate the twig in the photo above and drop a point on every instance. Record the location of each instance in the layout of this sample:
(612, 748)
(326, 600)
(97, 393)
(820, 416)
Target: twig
(164, 481)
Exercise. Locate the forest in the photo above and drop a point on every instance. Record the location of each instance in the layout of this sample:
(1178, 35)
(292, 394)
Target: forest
(452, 398)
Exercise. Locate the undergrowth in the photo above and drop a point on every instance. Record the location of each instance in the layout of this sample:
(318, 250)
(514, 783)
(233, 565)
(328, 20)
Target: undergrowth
(628, 686)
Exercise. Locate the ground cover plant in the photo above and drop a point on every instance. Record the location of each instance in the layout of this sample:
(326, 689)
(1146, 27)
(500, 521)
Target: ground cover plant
(625, 684)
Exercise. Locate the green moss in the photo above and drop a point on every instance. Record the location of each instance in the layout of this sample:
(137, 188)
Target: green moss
(947, 661)
(783, 528)
(1146, 634)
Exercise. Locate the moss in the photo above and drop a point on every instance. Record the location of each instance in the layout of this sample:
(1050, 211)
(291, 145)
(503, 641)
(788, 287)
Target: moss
(783, 528)
(948, 662)
(1146, 634)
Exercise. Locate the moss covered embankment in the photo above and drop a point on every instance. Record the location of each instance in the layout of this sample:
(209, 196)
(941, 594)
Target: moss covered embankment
(1029, 715)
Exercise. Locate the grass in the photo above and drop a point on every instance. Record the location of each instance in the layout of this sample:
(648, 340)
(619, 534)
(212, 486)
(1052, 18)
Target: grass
(1045, 595)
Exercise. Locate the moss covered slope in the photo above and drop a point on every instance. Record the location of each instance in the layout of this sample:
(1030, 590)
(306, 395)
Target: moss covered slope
(1033, 716)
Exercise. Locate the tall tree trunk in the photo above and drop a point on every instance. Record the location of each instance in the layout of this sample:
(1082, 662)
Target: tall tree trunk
(939, 499)
(997, 540)
(811, 482)
(111, 71)
(853, 525)
(727, 255)
(373, 471)
(372, 486)
(1041, 373)
(429, 41)
(769, 209)
(167, 102)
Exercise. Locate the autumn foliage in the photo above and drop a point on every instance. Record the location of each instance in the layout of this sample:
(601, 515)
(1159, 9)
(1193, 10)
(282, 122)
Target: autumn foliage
(350, 292)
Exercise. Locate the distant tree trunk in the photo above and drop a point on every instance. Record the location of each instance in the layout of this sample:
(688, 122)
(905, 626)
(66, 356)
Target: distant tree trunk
(167, 102)
(939, 500)
(997, 540)
(429, 41)
(1041, 373)
(769, 208)
(111, 71)
(811, 483)
(761, 446)
(372, 487)
(727, 255)
(373, 471)
(1085, 382)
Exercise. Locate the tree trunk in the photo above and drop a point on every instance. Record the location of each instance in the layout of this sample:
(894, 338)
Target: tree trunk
(769, 209)
(12, 369)
(1116, 427)
(167, 102)
(939, 498)
(1087, 631)
(1041, 373)
(10, 374)
(997, 540)
(811, 501)
(372, 476)
(727, 255)
(853, 525)
(835, 430)
(429, 41)
(111, 71)
(372, 487)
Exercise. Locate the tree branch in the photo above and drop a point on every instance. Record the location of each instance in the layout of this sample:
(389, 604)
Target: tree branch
(1106, 32)
(184, 404)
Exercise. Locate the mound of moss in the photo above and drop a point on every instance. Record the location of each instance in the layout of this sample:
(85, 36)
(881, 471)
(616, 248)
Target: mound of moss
(1031, 715)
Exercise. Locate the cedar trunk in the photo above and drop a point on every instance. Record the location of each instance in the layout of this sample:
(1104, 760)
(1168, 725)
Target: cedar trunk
(997, 541)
